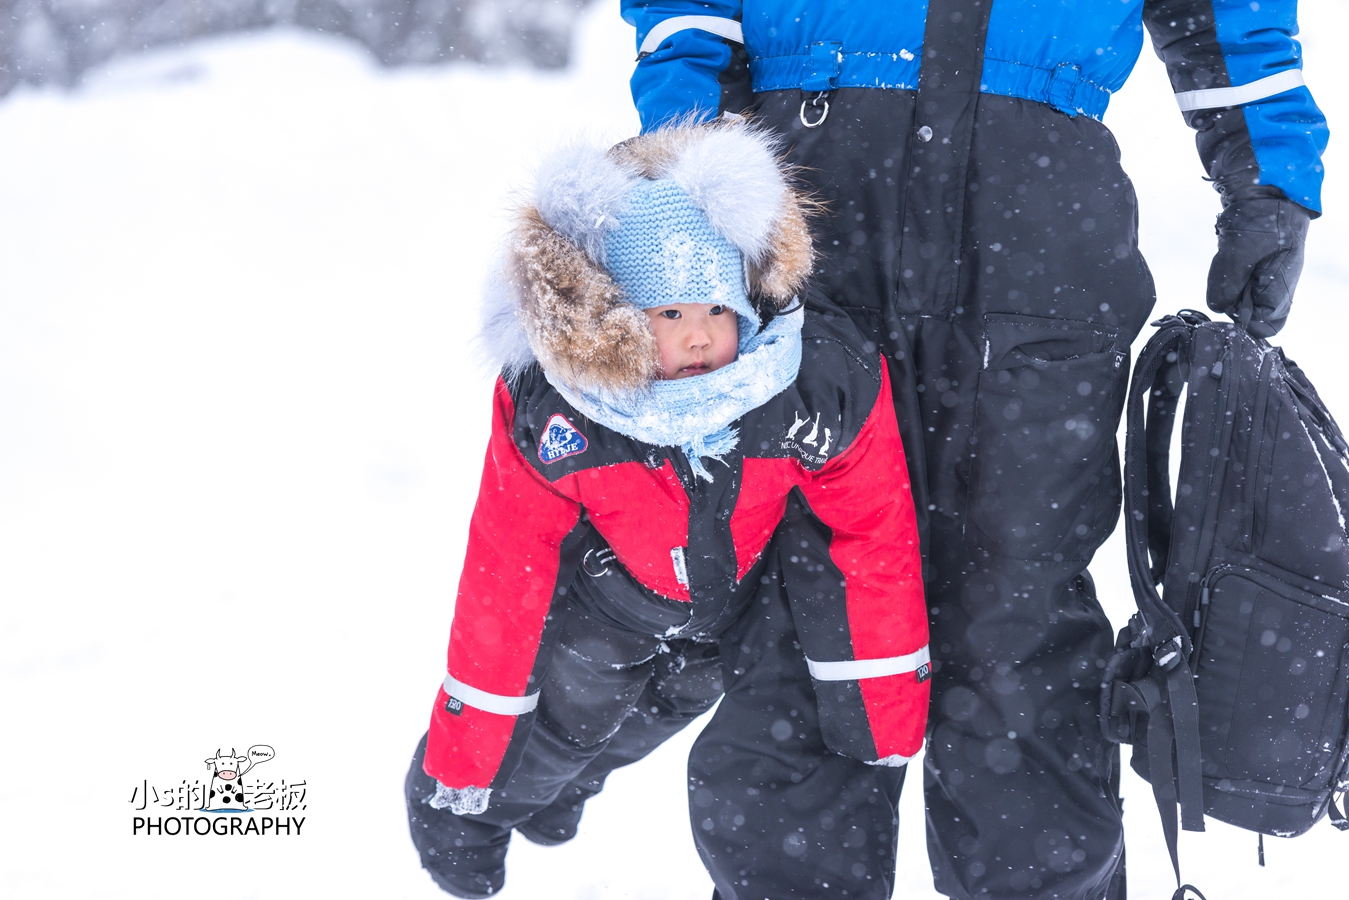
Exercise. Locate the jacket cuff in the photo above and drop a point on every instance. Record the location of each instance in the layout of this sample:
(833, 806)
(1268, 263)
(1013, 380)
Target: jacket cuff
(469, 801)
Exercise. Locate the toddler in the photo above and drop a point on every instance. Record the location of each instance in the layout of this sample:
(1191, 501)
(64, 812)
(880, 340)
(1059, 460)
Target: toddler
(692, 488)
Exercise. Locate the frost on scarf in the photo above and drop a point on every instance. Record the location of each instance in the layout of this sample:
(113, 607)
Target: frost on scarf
(695, 414)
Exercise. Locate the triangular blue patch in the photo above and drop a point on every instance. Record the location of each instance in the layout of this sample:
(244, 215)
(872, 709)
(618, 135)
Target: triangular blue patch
(560, 440)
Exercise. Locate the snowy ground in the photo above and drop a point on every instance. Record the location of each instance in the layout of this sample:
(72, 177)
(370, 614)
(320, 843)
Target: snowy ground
(240, 432)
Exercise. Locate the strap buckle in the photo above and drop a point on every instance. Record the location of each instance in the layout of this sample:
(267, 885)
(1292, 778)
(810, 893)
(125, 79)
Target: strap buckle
(1167, 656)
(598, 559)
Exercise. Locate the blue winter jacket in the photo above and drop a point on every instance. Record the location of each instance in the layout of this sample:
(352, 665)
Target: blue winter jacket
(1069, 54)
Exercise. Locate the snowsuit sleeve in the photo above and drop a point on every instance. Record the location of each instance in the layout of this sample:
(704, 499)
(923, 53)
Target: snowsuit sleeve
(681, 77)
(514, 564)
(1237, 73)
(868, 655)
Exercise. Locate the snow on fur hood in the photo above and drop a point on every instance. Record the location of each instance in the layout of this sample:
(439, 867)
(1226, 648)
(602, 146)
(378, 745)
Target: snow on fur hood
(552, 300)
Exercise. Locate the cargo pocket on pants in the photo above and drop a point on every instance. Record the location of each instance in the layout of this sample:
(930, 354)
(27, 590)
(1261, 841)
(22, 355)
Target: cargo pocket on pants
(1044, 474)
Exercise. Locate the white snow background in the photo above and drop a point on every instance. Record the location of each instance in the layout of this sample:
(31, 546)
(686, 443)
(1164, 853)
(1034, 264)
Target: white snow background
(241, 430)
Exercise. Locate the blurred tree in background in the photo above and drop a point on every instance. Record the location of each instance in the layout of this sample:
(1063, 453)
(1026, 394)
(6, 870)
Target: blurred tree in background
(57, 41)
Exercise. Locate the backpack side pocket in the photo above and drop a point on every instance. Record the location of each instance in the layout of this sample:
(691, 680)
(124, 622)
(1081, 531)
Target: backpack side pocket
(1272, 681)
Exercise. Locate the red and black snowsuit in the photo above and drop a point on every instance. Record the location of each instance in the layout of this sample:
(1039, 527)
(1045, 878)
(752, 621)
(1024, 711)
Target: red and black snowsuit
(576, 523)
(697, 543)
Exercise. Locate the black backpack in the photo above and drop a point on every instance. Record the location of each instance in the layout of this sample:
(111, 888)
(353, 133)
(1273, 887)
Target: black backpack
(1232, 682)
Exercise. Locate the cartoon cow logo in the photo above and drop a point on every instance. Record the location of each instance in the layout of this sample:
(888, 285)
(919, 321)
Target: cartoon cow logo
(226, 793)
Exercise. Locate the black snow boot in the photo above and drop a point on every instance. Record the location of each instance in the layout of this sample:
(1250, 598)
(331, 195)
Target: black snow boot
(464, 857)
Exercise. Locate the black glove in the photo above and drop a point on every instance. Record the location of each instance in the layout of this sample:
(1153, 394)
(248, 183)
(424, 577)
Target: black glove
(1260, 248)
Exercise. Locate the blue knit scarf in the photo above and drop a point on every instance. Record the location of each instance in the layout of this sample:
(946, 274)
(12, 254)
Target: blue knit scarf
(695, 414)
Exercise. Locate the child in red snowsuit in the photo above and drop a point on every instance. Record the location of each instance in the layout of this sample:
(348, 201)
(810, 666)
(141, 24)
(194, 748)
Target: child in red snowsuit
(690, 490)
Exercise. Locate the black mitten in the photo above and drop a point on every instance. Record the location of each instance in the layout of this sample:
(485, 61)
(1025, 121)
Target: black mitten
(1260, 248)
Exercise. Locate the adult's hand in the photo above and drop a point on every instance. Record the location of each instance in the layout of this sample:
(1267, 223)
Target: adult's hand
(1260, 249)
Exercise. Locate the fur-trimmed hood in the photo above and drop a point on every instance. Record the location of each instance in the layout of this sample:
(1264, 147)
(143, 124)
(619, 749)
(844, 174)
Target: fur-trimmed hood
(551, 298)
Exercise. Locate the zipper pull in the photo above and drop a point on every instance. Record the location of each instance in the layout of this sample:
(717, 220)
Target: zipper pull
(1217, 369)
(1203, 602)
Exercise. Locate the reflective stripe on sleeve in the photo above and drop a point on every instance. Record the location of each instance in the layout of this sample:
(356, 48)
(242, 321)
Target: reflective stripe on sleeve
(1217, 98)
(492, 703)
(726, 28)
(857, 669)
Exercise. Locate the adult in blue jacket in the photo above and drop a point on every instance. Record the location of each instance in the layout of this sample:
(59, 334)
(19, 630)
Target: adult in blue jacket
(981, 231)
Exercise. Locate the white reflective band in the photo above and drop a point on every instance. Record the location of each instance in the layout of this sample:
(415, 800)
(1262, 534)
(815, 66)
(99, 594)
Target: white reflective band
(726, 28)
(857, 669)
(492, 703)
(1216, 98)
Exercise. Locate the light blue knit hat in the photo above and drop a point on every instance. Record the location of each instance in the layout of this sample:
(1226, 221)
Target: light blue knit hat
(664, 250)
(683, 214)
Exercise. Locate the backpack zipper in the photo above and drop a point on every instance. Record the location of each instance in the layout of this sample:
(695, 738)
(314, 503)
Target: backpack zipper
(1255, 460)
(1217, 469)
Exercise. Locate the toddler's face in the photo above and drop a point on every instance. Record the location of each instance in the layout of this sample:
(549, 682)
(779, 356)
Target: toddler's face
(694, 338)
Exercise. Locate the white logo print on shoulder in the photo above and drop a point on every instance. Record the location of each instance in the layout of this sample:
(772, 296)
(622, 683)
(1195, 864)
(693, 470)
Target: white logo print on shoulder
(813, 446)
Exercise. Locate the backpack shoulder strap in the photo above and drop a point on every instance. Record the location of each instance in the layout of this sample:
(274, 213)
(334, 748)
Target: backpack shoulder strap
(1154, 394)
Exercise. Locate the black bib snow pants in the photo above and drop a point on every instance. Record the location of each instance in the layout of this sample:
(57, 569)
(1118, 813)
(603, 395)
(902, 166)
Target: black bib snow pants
(989, 247)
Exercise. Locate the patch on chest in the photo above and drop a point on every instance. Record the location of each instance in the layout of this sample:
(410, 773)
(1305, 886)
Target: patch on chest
(808, 439)
(560, 440)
